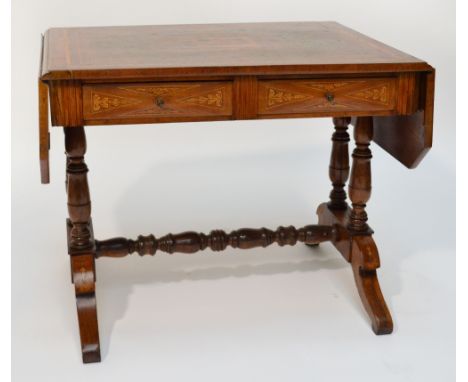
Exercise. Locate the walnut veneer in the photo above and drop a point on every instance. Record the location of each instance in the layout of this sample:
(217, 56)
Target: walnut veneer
(170, 73)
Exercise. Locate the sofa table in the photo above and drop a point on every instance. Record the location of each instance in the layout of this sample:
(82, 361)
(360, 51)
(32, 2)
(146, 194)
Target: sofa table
(174, 73)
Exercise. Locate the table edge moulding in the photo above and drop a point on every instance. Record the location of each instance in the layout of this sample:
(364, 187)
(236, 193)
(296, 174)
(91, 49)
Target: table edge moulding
(213, 72)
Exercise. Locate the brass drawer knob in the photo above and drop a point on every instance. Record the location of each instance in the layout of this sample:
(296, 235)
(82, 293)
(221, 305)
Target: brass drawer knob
(159, 101)
(330, 97)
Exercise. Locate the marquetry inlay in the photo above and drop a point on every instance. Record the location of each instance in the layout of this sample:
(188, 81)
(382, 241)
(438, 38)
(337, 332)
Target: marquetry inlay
(327, 104)
(103, 102)
(158, 100)
(277, 96)
(327, 86)
(380, 94)
(305, 96)
(211, 99)
(158, 90)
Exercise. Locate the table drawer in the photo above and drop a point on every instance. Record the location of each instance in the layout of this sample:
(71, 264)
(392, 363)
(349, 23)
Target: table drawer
(319, 96)
(133, 101)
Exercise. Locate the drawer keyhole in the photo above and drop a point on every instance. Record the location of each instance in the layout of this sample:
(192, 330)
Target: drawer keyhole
(330, 97)
(159, 101)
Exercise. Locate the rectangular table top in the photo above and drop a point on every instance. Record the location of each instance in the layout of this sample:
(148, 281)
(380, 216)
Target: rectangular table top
(222, 49)
(204, 72)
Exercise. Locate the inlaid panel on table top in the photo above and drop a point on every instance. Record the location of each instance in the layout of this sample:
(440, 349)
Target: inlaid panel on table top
(216, 49)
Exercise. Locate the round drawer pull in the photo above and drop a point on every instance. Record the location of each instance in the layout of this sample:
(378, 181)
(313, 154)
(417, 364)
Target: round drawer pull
(330, 97)
(159, 101)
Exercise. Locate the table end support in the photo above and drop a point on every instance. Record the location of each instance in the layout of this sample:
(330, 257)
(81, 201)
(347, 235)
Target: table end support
(353, 238)
(81, 245)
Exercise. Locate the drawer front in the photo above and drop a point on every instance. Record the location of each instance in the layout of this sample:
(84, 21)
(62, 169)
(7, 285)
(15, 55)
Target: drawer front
(157, 100)
(323, 96)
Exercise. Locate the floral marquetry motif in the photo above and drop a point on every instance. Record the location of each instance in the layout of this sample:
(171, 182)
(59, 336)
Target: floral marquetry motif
(103, 102)
(303, 96)
(380, 94)
(211, 99)
(277, 96)
(129, 102)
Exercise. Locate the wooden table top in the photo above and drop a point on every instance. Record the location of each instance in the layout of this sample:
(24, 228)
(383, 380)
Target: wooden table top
(217, 49)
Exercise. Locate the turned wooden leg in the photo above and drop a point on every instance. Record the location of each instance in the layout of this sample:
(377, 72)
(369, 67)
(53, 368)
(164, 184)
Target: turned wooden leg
(81, 243)
(360, 182)
(353, 237)
(364, 254)
(339, 164)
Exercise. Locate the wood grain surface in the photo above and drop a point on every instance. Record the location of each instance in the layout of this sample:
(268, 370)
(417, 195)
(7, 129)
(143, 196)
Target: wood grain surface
(180, 99)
(345, 95)
(169, 73)
(250, 48)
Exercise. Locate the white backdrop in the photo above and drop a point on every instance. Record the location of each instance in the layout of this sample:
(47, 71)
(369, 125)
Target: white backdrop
(275, 314)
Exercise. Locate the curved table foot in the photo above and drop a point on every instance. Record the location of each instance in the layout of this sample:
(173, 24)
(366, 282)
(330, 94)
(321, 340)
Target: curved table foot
(83, 276)
(361, 251)
(365, 261)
